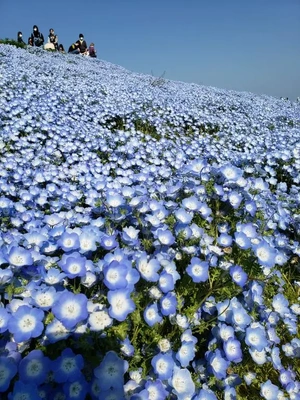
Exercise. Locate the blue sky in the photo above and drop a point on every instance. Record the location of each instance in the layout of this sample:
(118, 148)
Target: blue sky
(241, 45)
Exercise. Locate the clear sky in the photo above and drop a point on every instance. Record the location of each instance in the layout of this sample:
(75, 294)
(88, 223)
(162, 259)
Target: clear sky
(244, 45)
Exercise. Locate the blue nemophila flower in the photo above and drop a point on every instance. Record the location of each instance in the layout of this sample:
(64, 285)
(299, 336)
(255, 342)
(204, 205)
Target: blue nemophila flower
(153, 390)
(163, 364)
(77, 389)
(126, 347)
(183, 216)
(224, 311)
(56, 331)
(108, 242)
(34, 367)
(256, 338)
(52, 220)
(4, 318)
(99, 320)
(24, 391)
(88, 241)
(73, 265)
(165, 237)
(198, 270)
(166, 282)
(259, 357)
(223, 331)
(8, 370)
(70, 309)
(120, 304)
(148, 269)
(69, 241)
(44, 297)
(231, 173)
(112, 394)
(242, 240)
(232, 350)
(6, 276)
(265, 254)
(115, 200)
(205, 394)
(52, 276)
(115, 275)
(19, 257)
(182, 383)
(276, 358)
(130, 236)
(235, 199)
(67, 367)
(286, 377)
(217, 364)
(168, 304)
(111, 371)
(191, 203)
(152, 315)
(25, 323)
(280, 304)
(186, 353)
(224, 240)
(269, 391)
(238, 275)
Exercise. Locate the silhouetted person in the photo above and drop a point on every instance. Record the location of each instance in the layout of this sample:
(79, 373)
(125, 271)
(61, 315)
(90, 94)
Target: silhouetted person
(37, 37)
(20, 38)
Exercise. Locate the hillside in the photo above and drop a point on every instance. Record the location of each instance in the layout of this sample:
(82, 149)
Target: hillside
(149, 233)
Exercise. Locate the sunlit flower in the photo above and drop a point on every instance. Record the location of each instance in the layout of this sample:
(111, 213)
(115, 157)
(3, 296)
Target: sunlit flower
(70, 309)
(25, 323)
(120, 304)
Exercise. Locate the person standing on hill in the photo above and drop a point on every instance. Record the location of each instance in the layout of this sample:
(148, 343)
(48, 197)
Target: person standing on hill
(37, 37)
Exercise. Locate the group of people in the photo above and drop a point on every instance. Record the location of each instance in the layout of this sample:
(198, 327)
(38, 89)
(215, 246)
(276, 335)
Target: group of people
(37, 39)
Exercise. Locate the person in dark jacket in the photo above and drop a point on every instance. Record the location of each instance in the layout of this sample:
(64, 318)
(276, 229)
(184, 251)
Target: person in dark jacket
(80, 46)
(61, 48)
(20, 38)
(37, 37)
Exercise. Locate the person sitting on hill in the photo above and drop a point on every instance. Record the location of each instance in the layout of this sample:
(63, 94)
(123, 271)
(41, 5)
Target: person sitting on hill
(30, 41)
(37, 37)
(92, 50)
(20, 38)
(74, 48)
(80, 46)
(61, 48)
(53, 39)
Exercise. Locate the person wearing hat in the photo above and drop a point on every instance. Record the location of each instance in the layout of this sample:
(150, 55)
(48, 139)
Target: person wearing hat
(37, 37)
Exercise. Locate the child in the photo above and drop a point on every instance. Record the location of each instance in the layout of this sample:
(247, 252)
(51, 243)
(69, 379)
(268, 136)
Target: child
(92, 51)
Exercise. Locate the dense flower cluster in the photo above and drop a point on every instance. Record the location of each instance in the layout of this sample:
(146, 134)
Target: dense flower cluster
(149, 244)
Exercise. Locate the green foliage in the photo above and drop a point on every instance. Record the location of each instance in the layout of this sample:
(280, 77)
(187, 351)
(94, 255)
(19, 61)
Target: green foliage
(13, 43)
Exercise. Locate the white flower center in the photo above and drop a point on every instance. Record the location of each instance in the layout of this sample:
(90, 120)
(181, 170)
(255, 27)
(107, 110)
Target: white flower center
(27, 323)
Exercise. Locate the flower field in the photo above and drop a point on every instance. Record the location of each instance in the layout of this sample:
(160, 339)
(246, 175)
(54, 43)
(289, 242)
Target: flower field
(150, 236)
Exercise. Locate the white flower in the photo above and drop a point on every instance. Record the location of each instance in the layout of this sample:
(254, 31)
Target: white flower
(99, 320)
(164, 345)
